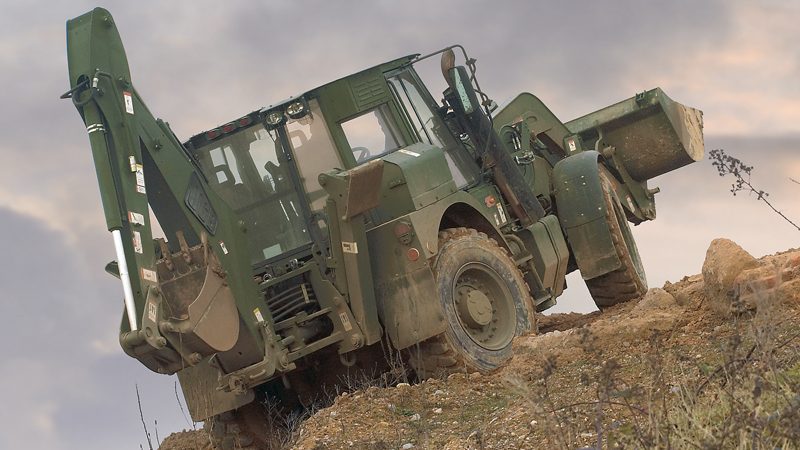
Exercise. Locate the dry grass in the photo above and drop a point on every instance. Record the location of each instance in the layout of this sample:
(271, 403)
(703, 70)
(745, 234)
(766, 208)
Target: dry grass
(627, 378)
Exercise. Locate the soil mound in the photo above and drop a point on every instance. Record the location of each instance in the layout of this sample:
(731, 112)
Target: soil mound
(708, 361)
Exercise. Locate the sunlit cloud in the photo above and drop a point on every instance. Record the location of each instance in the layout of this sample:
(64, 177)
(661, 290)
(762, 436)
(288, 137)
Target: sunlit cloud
(747, 82)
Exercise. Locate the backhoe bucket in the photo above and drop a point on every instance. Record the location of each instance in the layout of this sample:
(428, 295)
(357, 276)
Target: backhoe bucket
(199, 308)
(652, 134)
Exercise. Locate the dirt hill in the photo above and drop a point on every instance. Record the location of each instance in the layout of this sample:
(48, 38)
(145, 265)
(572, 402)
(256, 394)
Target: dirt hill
(711, 361)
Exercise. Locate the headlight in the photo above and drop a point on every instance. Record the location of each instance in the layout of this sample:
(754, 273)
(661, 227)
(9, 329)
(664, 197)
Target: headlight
(274, 118)
(296, 110)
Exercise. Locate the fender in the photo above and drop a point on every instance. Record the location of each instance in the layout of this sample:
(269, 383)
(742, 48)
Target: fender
(474, 214)
(403, 283)
(582, 212)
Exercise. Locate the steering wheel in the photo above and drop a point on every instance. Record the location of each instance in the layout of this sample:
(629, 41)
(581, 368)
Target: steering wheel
(361, 154)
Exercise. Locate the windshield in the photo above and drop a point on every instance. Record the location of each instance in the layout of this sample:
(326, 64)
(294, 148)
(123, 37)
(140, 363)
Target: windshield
(430, 128)
(248, 169)
(314, 152)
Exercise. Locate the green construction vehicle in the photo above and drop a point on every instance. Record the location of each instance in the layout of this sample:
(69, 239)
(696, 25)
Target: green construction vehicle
(359, 223)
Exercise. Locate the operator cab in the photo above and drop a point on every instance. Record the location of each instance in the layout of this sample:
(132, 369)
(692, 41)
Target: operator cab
(248, 169)
(266, 165)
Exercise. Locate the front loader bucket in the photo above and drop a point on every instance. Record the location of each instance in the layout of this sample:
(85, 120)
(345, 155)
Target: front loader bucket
(652, 134)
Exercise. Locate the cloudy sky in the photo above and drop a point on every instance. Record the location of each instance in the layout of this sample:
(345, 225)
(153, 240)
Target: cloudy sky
(65, 382)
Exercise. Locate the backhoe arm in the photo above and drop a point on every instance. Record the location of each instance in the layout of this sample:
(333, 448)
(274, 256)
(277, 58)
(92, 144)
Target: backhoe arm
(181, 305)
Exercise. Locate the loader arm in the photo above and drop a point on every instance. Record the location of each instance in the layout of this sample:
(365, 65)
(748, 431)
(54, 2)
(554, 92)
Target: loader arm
(177, 293)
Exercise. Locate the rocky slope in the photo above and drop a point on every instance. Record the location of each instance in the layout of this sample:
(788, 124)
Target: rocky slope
(710, 361)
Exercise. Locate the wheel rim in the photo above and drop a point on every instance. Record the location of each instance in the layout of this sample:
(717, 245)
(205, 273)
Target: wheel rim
(484, 306)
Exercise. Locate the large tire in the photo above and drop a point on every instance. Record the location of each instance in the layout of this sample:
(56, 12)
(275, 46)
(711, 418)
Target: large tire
(629, 281)
(486, 303)
(250, 427)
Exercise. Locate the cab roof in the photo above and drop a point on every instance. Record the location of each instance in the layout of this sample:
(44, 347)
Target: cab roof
(383, 67)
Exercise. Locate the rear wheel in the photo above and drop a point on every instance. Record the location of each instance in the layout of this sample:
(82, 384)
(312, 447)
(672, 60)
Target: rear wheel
(486, 304)
(251, 427)
(629, 281)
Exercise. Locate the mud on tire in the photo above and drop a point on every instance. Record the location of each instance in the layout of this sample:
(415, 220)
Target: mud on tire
(629, 281)
(486, 303)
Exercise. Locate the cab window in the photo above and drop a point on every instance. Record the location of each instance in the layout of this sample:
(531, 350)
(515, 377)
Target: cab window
(247, 170)
(372, 134)
(430, 128)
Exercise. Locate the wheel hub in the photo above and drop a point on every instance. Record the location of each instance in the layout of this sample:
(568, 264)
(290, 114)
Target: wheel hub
(474, 307)
(484, 306)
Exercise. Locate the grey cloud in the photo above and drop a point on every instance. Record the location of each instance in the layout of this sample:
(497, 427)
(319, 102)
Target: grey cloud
(258, 53)
(200, 64)
(695, 206)
(55, 386)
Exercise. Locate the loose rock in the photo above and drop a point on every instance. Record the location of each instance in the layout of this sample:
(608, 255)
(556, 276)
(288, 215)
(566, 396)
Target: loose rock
(655, 299)
(725, 260)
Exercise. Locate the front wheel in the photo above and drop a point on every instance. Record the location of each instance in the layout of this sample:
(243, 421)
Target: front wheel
(485, 301)
(629, 281)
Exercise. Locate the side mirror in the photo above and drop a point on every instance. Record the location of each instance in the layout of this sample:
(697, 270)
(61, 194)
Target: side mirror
(458, 79)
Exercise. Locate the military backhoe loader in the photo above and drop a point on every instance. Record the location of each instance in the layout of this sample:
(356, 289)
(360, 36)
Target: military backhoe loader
(359, 221)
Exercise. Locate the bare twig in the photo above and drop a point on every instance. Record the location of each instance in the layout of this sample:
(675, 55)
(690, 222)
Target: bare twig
(141, 416)
(596, 402)
(727, 164)
(723, 368)
(185, 416)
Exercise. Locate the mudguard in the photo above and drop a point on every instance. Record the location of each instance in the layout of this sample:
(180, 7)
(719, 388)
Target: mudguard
(403, 284)
(582, 212)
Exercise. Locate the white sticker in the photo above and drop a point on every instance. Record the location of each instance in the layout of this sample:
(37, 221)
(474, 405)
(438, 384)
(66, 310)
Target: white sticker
(630, 203)
(409, 152)
(140, 179)
(257, 313)
(128, 101)
(222, 246)
(502, 213)
(149, 275)
(345, 321)
(496, 220)
(571, 145)
(135, 218)
(137, 242)
(151, 310)
(350, 247)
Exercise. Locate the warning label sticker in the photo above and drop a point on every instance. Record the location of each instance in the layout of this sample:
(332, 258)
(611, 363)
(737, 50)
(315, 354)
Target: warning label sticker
(345, 321)
(140, 179)
(128, 98)
(152, 311)
(135, 218)
(257, 313)
(149, 275)
(137, 242)
(571, 144)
